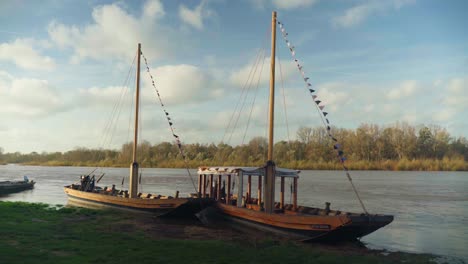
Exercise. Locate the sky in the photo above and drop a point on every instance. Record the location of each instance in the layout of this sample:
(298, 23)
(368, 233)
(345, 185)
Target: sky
(67, 69)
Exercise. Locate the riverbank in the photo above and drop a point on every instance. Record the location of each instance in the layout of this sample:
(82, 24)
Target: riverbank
(37, 233)
(388, 165)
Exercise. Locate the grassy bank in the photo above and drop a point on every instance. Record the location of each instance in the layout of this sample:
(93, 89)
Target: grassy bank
(36, 233)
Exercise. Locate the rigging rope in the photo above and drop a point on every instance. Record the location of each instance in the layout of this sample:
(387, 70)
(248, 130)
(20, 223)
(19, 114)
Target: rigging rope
(255, 97)
(245, 88)
(322, 114)
(284, 99)
(107, 135)
(170, 122)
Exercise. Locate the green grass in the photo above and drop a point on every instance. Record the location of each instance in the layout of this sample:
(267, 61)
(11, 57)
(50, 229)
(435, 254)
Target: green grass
(38, 233)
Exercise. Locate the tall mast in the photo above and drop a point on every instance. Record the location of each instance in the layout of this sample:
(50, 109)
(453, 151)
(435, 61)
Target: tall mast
(269, 198)
(272, 86)
(133, 188)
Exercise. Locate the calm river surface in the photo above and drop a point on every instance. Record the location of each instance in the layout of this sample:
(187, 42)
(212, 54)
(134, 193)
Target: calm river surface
(430, 208)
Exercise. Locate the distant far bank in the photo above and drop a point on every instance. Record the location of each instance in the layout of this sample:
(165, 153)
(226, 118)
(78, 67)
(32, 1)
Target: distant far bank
(369, 147)
(389, 165)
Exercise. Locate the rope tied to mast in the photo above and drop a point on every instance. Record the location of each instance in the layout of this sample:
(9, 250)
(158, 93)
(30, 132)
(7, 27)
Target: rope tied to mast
(170, 122)
(322, 114)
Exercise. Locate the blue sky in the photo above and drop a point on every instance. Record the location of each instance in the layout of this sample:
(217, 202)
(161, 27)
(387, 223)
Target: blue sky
(63, 66)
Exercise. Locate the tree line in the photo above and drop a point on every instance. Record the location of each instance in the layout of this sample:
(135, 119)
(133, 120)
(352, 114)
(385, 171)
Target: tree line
(396, 147)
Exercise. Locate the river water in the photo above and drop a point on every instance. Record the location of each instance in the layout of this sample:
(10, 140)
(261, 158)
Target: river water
(430, 208)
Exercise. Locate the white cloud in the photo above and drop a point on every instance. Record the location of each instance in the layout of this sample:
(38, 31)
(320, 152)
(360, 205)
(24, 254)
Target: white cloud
(332, 96)
(183, 83)
(96, 96)
(114, 33)
(22, 53)
(456, 95)
(405, 89)
(292, 4)
(457, 85)
(283, 4)
(444, 115)
(27, 97)
(250, 73)
(195, 17)
(358, 13)
(354, 15)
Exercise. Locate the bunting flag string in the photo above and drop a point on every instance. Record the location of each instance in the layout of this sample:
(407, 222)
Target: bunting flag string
(170, 121)
(325, 120)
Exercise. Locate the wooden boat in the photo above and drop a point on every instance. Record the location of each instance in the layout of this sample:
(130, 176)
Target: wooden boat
(7, 187)
(85, 192)
(291, 220)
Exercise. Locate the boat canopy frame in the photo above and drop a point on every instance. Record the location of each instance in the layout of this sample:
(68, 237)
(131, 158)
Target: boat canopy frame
(217, 173)
(254, 171)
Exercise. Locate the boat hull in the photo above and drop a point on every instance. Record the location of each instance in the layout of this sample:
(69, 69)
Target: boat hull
(8, 187)
(157, 207)
(307, 228)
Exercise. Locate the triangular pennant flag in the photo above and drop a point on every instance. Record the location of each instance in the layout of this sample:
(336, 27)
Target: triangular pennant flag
(308, 84)
(170, 123)
(340, 153)
(300, 67)
(306, 79)
(293, 53)
(321, 107)
(336, 146)
(166, 113)
(345, 168)
(328, 128)
(334, 139)
(324, 113)
(326, 119)
(176, 136)
(314, 96)
(311, 90)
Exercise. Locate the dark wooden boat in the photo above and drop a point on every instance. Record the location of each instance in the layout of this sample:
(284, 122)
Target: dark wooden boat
(291, 220)
(86, 193)
(7, 187)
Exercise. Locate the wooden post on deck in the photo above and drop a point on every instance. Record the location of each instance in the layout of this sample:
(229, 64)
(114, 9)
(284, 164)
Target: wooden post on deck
(228, 193)
(295, 193)
(211, 186)
(259, 190)
(282, 193)
(204, 186)
(240, 188)
(249, 189)
(200, 177)
(218, 197)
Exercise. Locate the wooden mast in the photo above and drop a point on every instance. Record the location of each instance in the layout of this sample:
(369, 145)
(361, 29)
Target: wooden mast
(133, 188)
(270, 166)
